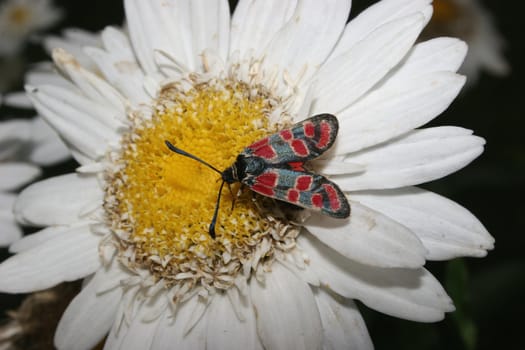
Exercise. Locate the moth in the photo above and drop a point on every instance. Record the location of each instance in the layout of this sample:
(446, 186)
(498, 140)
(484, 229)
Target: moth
(274, 167)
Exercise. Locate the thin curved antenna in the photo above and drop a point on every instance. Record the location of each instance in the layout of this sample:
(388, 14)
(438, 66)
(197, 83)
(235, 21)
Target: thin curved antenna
(211, 230)
(186, 154)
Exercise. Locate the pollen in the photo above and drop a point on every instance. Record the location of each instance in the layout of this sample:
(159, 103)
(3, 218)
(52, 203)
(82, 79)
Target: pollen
(161, 203)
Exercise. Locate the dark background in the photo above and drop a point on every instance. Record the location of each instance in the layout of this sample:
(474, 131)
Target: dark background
(488, 292)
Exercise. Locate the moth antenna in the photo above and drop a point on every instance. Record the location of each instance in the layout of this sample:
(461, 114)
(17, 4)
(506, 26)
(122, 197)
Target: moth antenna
(211, 230)
(186, 154)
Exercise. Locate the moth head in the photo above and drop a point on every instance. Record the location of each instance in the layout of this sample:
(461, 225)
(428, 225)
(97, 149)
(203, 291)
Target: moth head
(229, 175)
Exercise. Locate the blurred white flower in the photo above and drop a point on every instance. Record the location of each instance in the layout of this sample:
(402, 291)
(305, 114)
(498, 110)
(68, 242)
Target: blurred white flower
(21, 18)
(25, 145)
(14, 173)
(471, 22)
(133, 219)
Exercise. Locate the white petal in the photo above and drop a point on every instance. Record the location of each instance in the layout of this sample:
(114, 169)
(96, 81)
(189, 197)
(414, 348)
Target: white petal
(210, 26)
(105, 116)
(89, 317)
(343, 326)
(9, 230)
(67, 258)
(328, 167)
(82, 37)
(436, 55)
(226, 331)
(17, 100)
(377, 15)
(73, 40)
(15, 129)
(255, 23)
(48, 148)
(170, 330)
(139, 335)
(417, 157)
(308, 37)
(13, 135)
(412, 294)
(287, 316)
(393, 110)
(344, 79)
(13, 175)
(90, 84)
(117, 63)
(297, 263)
(369, 237)
(35, 239)
(182, 29)
(446, 229)
(45, 74)
(58, 200)
(66, 112)
(147, 20)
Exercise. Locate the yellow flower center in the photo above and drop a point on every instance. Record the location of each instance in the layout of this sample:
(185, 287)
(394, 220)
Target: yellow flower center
(161, 203)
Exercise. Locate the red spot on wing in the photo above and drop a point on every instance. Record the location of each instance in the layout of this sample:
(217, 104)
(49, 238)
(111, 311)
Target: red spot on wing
(299, 147)
(317, 200)
(267, 191)
(286, 135)
(266, 152)
(292, 195)
(263, 149)
(268, 179)
(303, 182)
(326, 131)
(297, 166)
(259, 143)
(335, 203)
(309, 129)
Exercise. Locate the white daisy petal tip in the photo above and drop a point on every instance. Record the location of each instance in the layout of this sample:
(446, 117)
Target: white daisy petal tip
(412, 294)
(14, 175)
(67, 257)
(446, 229)
(17, 100)
(42, 203)
(368, 237)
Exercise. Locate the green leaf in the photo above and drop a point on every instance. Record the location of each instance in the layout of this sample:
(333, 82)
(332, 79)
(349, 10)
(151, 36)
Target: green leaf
(457, 284)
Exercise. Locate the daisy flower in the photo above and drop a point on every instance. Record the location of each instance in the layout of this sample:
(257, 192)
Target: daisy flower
(133, 219)
(21, 18)
(471, 22)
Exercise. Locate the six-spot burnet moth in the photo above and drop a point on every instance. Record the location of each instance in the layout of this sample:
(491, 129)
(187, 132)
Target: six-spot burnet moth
(273, 167)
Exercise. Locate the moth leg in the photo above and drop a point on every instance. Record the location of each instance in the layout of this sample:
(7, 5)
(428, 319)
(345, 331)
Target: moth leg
(234, 198)
(239, 193)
